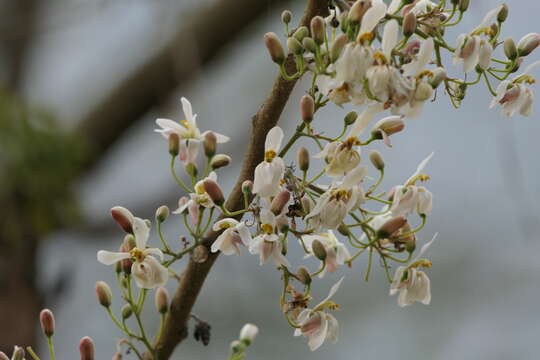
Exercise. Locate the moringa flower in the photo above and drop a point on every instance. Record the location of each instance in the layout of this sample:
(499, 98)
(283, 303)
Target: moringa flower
(197, 199)
(336, 252)
(267, 244)
(236, 233)
(268, 173)
(146, 269)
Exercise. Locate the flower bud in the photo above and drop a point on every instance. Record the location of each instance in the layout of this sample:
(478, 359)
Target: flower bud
(350, 118)
(162, 213)
(219, 161)
(528, 43)
(282, 224)
(127, 310)
(279, 202)
(286, 16)
(191, 170)
(309, 44)
(303, 158)
(503, 13)
(127, 245)
(337, 47)
(274, 48)
(18, 353)
(247, 187)
(301, 33)
(303, 275)
(439, 75)
(46, 319)
(318, 250)
(209, 144)
(307, 204)
(121, 216)
(174, 144)
(510, 49)
(464, 5)
(424, 91)
(199, 254)
(376, 159)
(236, 346)
(214, 191)
(307, 108)
(248, 333)
(391, 226)
(409, 24)
(86, 348)
(162, 300)
(104, 294)
(318, 29)
(389, 125)
(3, 356)
(294, 46)
(358, 10)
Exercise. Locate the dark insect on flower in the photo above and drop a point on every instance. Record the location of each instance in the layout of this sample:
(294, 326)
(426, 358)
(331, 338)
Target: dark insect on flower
(202, 332)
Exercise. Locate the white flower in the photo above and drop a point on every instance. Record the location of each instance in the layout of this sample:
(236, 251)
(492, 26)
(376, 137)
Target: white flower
(249, 332)
(146, 269)
(412, 283)
(335, 203)
(267, 244)
(197, 199)
(423, 58)
(316, 324)
(371, 18)
(268, 173)
(236, 233)
(467, 51)
(336, 252)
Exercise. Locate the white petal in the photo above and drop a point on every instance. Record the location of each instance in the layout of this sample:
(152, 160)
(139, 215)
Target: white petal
(317, 339)
(425, 247)
(333, 291)
(423, 164)
(333, 328)
(109, 257)
(244, 233)
(230, 222)
(167, 124)
(321, 203)
(531, 67)
(149, 273)
(390, 38)
(220, 138)
(394, 6)
(155, 252)
(364, 119)
(141, 232)
(423, 58)
(188, 112)
(489, 18)
(274, 139)
(354, 177)
(372, 17)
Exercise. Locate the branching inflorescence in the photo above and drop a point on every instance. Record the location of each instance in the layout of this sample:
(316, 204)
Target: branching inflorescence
(378, 57)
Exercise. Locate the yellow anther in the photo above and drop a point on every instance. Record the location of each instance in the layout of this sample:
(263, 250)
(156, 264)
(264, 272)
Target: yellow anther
(224, 225)
(184, 123)
(340, 194)
(267, 228)
(327, 305)
(365, 37)
(425, 73)
(419, 177)
(525, 78)
(380, 58)
(137, 254)
(269, 155)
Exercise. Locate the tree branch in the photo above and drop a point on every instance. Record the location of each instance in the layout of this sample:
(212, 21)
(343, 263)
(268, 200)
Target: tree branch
(195, 274)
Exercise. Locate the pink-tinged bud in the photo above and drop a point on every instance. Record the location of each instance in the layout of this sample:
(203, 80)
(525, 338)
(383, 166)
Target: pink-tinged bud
(286, 16)
(247, 187)
(510, 49)
(503, 13)
(318, 250)
(209, 144)
(337, 47)
(162, 213)
(377, 160)
(358, 10)
(301, 33)
(199, 254)
(103, 293)
(307, 108)
(390, 125)
(248, 333)
(294, 46)
(279, 202)
(318, 29)
(18, 353)
(274, 48)
(122, 218)
(3, 356)
(391, 226)
(303, 158)
(174, 144)
(46, 319)
(528, 44)
(303, 275)
(214, 191)
(409, 24)
(86, 348)
(219, 161)
(468, 47)
(162, 300)
(126, 311)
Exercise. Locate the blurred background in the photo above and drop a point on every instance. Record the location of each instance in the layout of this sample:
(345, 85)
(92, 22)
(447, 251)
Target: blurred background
(82, 83)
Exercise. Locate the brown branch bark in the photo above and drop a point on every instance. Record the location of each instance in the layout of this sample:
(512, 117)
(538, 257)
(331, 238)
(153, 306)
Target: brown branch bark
(195, 274)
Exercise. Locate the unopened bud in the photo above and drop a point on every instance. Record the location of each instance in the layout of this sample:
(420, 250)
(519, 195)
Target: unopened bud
(274, 48)
(528, 44)
(286, 16)
(376, 159)
(439, 75)
(309, 44)
(303, 275)
(391, 226)
(162, 300)
(279, 202)
(191, 170)
(122, 216)
(209, 144)
(318, 250)
(350, 118)
(247, 187)
(503, 13)
(199, 254)
(389, 125)
(318, 29)
(343, 229)
(409, 24)
(307, 204)
(214, 191)
(236, 346)
(104, 294)
(127, 245)
(86, 348)
(337, 47)
(301, 33)
(307, 108)
(358, 10)
(18, 353)
(162, 213)
(294, 46)
(248, 333)
(464, 5)
(3, 356)
(46, 319)
(219, 161)
(174, 144)
(127, 310)
(424, 91)
(282, 224)
(510, 49)
(303, 158)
